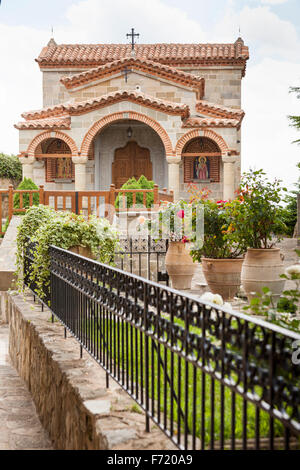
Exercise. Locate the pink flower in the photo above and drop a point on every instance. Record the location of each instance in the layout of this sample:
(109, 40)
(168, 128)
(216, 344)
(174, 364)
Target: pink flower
(180, 214)
(185, 240)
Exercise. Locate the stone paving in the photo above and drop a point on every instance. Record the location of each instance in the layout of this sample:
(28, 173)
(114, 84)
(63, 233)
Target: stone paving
(20, 428)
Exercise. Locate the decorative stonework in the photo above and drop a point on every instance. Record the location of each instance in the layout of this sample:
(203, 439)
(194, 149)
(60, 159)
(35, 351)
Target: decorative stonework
(98, 126)
(50, 135)
(185, 138)
(218, 139)
(146, 66)
(76, 109)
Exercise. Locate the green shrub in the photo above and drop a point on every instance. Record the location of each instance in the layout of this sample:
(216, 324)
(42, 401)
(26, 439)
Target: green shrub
(27, 184)
(10, 167)
(132, 183)
(31, 221)
(4, 227)
(47, 227)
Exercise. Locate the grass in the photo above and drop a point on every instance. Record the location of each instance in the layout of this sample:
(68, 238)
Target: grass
(127, 362)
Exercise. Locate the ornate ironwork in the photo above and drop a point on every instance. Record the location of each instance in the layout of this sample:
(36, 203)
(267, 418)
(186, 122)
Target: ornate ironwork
(144, 257)
(207, 376)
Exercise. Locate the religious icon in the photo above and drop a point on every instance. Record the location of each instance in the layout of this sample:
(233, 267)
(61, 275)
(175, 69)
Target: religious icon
(64, 168)
(201, 168)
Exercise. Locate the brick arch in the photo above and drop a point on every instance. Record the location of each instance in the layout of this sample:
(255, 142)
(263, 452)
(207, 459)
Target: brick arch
(198, 133)
(105, 121)
(38, 139)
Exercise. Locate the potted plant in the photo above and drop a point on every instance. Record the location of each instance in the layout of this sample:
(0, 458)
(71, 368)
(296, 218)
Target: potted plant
(219, 252)
(256, 222)
(174, 221)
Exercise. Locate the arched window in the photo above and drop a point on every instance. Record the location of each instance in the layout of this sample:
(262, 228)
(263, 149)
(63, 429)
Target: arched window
(201, 157)
(58, 167)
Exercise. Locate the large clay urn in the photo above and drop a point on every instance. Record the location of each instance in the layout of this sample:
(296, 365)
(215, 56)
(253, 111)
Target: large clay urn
(180, 266)
(223, 276)
(262, 268)
(84, 251)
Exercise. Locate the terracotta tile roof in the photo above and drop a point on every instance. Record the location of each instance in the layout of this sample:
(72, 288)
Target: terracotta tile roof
(147, 66)
(54, 55)
(209, 122)
(105, 100)
(219, 111)
(48, 123)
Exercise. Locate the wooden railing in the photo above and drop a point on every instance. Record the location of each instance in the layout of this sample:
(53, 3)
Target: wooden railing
(100, 203)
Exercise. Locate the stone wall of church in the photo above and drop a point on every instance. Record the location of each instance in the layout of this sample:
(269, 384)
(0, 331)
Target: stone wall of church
(138, 82)
(55, 92)
(222, 85)
(81, 124)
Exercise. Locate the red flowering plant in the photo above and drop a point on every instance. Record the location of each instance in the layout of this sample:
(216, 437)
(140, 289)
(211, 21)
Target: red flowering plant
(217, 243)
(256, 213)
(174, 221)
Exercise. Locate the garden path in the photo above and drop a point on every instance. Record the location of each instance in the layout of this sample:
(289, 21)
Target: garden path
(20, 428)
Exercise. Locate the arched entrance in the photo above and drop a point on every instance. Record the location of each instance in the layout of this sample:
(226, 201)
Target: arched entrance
(126, 149)
(131, 161)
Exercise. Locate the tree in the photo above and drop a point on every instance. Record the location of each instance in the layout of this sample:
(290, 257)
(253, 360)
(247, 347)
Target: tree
(295, 120)
(290, 212)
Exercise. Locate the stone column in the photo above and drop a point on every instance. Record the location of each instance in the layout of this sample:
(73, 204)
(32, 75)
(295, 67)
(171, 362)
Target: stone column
(173, 166)
(27, 166)
(80, 172)
(229, 177)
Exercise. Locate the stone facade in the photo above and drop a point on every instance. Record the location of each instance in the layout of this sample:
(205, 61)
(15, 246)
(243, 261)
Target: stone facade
(164, 102)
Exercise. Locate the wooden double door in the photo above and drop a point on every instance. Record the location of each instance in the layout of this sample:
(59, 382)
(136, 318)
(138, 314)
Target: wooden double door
(131, 161)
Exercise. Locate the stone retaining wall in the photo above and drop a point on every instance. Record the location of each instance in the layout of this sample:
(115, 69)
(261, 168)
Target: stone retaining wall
(70, 393)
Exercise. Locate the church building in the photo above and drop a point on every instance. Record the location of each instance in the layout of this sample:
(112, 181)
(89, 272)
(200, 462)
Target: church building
(171, 112)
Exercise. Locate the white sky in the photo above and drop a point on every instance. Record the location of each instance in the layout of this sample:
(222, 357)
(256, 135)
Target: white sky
(270, 28)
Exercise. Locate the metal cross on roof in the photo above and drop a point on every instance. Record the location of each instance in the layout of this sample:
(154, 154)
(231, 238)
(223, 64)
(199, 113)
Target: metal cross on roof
(132, 35)
(126, 71)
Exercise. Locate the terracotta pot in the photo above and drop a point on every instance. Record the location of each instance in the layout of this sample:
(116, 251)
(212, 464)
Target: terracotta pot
(180, 266)
(262, 268)
(82, 251)
(223, 276)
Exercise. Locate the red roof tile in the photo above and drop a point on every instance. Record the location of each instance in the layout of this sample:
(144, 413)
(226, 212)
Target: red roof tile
(105, 100)
(209, 122)
(175, 54)
(161, 70)
(218, 110)
(48, 123)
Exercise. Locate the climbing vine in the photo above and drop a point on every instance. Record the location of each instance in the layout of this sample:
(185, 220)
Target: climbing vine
(46, 227)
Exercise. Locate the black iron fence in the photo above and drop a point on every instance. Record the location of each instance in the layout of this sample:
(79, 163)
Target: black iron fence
(144, 257)
(208, 377)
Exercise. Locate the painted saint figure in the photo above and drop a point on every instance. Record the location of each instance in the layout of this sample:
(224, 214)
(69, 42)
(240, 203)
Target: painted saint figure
(201, 168)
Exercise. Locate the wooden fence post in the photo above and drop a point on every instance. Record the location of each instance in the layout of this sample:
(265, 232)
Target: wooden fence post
(41, 194)
(10, 201)
(156, 195)
(111, 202)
